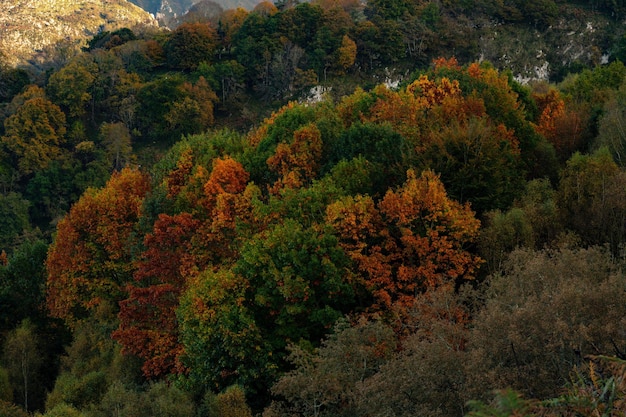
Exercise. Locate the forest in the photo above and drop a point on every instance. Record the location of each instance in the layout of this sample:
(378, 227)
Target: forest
(185, 232)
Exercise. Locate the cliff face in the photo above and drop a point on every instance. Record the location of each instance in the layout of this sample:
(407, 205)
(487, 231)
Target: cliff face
(36, 33)
(578, 38)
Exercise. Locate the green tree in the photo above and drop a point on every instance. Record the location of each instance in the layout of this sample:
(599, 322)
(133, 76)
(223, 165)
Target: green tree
(12, 81)
(22, 285)
(223, 344)
(72, 86)
(22, 359)
(117, 142)
(190, 44)
(14, 220)
(612, 126)
(590, 198)
(298, 279)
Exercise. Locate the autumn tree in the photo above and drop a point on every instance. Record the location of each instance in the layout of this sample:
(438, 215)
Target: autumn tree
(35, 134)
(148, 326)
(229, 403)
(89, 262)
(563, 126)
(414, 239)
(297, 163)
(229, 23)
(346, 54)
(178, 248)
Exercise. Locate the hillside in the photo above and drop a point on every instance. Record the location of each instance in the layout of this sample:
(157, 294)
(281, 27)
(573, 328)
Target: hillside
(35, 32)
(185, 232)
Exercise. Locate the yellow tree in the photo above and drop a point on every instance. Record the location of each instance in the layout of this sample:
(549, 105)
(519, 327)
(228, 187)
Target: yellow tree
(35, 133)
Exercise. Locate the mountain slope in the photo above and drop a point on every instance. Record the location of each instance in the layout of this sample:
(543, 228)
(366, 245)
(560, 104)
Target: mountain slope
(33, 32)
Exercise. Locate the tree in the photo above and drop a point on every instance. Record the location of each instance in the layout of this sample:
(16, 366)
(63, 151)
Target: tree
(22, 285)
(612, 127)
(229, 403)
(193, 113)
(590, 198)
(346, 54)
(299, 285)
(72, 86)
(297, 163)
(513, 345)
(414, 239)
(325, 382)
(478, 162)
(14, 219)
(225, 77)
(12, 81)
(117, 142)
(190, 44)
(89, 262)
(223, 344)
(22, 359)
(148, 326)
(35, 133)
(229, 24)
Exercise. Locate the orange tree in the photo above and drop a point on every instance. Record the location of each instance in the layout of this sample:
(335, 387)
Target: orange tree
(414, 239)
(90, 260)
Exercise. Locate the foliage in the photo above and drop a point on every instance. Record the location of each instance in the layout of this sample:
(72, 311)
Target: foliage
(11, 410)
(190, 44)
(516, 346)
(88, 263)
(35, 133)
(22, 359)
(323, 382)
(209, 281)
(413, 240)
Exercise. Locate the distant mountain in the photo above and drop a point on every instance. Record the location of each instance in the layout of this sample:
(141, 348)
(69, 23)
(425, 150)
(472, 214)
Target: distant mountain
(171, 12)
(36, 33)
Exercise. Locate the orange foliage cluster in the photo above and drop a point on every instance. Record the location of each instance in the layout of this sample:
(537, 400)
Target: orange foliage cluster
(563, 127)
(415, 239)
(297, 163)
